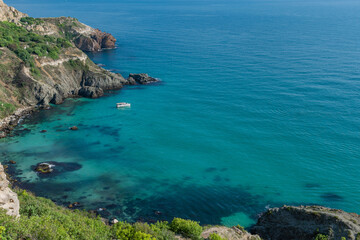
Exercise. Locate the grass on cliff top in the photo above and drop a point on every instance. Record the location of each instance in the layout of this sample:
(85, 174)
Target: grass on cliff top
(6, 109)
(25, 44)
(42, 219)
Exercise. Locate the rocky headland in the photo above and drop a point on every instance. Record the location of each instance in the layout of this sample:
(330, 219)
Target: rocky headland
(42, 62)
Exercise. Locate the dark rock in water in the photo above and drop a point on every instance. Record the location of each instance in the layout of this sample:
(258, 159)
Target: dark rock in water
(52, 169)
(158, 213)
(305, 222)
(141, 78)
(74, 205)
(91, 92)
(331, 197)
(74, 128)
(44, 168)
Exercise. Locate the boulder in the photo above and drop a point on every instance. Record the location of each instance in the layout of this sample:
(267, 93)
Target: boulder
(305, 222)
(44, 168)
(141, 78)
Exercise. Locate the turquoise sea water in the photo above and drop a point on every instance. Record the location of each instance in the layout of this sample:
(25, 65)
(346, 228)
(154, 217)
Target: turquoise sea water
(258, 107)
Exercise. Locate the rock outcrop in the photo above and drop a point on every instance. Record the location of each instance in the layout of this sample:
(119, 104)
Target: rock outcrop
(98, 40)
(233, 233)
(84, 37)
(305, 222)
(10, 14)
(8, 199)
(141, 78)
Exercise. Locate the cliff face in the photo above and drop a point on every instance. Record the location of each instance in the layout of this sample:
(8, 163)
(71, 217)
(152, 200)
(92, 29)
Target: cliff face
(8, 199)
(83, 36)
(40, 63)
(305, 222)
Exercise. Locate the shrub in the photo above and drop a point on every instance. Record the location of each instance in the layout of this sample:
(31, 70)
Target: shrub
(215, 236)
(187, 228)
(24, 43)
(321, 237)
(159, 230)
(125, 231)
(31, 20)
(42, 219)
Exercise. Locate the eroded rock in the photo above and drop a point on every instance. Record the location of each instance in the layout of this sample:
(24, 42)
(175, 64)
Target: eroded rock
(8, 199)
(305, 222)
(141, 78)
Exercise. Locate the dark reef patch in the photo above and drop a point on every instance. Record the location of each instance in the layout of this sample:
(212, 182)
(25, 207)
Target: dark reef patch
(312, 185)
(331, 197)
(58, 168)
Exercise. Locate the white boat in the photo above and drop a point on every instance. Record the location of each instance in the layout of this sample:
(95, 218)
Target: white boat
(123, 104)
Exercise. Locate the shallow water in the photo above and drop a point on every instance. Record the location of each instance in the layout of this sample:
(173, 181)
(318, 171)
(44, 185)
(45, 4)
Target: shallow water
(259, 107)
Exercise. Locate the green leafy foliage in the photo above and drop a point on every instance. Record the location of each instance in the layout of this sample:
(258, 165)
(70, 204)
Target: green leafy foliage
(25, 44)
(31, 20)
(42, 219)
(187, 228)
(321, 237)
(6, 109)
(215, 236)
(126, 231)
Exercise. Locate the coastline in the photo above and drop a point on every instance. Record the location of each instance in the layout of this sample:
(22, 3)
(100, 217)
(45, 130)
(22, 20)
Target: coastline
(287, 222)
(10, 122)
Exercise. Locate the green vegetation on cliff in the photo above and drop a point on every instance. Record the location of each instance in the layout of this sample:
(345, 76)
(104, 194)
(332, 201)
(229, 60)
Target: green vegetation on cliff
(42, 219)
(25, 44)
(6, 109)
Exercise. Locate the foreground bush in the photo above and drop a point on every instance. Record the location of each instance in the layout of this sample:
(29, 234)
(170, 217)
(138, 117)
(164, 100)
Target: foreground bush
(187, 228)
(43, 219)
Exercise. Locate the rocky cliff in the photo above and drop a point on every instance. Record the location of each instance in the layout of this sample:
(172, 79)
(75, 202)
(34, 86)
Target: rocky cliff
(307, 222)
(8, 199)
(40, 63)
(9, 13)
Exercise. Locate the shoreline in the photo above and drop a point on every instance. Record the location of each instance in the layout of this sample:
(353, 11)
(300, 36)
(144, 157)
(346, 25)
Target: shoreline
(8, 123)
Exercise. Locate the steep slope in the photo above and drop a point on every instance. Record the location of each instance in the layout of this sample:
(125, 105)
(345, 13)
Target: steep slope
(40, 63)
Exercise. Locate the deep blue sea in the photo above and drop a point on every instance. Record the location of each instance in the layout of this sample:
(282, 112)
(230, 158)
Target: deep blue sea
(259, 106)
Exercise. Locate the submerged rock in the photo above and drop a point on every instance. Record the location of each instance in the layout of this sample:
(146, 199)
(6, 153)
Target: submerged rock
(141, 78)
(44, 168)
(52, 169)
(305, 222)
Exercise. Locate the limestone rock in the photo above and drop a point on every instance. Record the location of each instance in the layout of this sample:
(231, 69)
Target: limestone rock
(8, 199)
(305, 222)
(233, 233)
